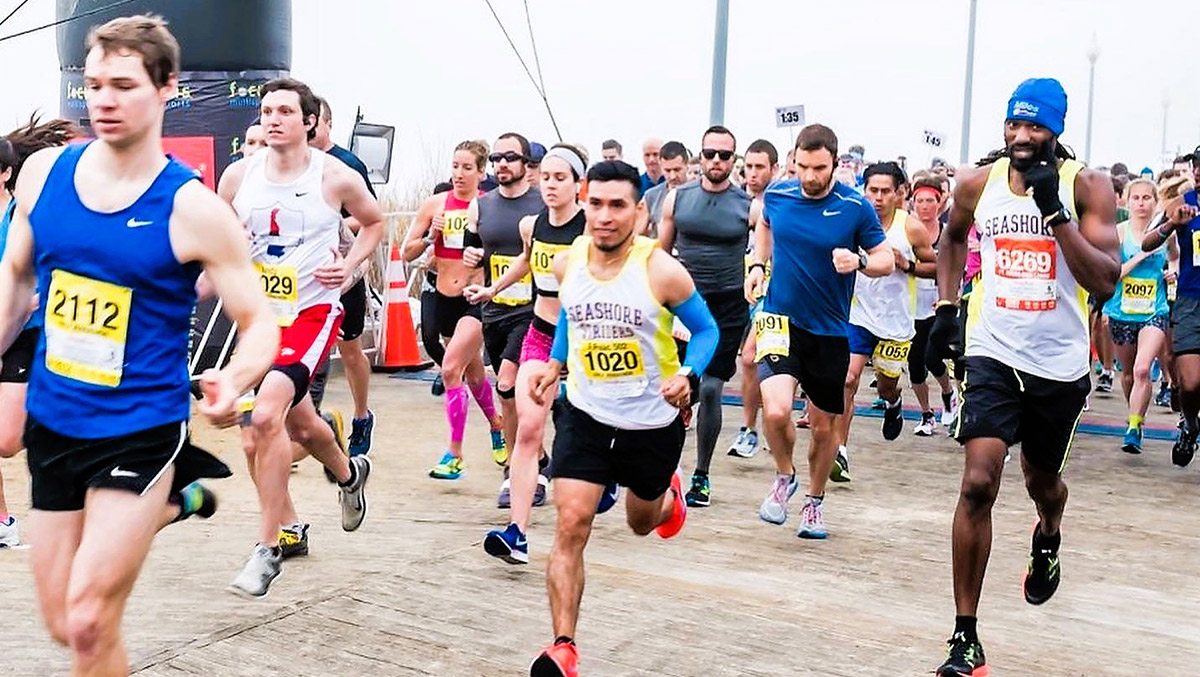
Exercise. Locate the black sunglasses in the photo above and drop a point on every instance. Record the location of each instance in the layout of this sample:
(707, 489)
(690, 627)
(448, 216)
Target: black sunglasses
(510, 156)
(710, 153)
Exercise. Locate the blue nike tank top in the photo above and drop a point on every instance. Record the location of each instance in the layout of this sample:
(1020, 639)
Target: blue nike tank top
(116, 305)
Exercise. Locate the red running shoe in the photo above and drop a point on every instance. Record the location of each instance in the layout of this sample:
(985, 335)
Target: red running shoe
(559, 660)
(674, 523)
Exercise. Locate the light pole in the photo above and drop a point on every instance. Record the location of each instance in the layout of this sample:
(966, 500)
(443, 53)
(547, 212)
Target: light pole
(966, 121)
(716, 110)
(1093, 53)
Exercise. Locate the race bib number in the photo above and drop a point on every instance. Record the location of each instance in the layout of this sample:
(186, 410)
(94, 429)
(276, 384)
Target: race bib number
(771, 335)
(1026, 274)
(1138, 295)
(281, 286)
(614, 367)
(541, 263)
(87, 322)
(454, 228)
(518, 293)
(890, 357)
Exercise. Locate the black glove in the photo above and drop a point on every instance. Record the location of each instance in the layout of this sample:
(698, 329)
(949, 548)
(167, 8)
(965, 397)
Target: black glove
(944, 336)
(1043, 179)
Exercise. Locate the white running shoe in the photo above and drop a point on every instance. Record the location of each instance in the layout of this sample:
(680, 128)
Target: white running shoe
(746, 444)
(262, 568)
(948, 415)
(9, 536)
(812, 520)
(927, 425)
(774, 506)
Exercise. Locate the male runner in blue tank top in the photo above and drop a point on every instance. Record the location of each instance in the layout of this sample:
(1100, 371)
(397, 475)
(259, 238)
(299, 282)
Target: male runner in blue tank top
(114, 235)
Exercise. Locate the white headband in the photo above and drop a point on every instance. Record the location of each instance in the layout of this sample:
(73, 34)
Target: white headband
(568, 157)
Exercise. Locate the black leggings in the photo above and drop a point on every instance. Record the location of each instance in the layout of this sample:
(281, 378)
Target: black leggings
(429, 327)
(921, 359)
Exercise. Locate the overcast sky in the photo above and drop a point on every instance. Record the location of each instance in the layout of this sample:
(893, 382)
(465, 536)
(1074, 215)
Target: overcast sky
(879, 72)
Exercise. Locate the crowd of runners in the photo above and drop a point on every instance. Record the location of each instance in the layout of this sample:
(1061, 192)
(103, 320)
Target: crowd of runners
(607, 305)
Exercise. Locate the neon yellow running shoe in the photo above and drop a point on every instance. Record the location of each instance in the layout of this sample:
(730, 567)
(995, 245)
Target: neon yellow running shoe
(449, 468)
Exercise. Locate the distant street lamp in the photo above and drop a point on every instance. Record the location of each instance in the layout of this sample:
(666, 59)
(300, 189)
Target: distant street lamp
(1093, 53)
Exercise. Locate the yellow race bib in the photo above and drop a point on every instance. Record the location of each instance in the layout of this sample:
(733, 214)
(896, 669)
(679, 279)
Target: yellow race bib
(518, 293)
(614, 367)
(87, 322)
(1138, 295)
(890, 357)
(541, 263)
(771, 335)
(454, 228)
(281, 286)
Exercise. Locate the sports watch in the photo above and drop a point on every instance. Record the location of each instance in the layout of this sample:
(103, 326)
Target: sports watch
(1058, 218)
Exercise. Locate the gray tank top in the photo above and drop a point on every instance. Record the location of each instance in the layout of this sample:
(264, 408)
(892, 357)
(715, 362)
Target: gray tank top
(711, 233)
(500, 229)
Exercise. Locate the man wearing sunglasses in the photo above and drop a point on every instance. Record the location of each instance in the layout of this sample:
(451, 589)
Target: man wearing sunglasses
(495, 244)
(708, 223)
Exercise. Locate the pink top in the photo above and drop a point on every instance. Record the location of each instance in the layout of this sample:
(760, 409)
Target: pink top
(974, 258)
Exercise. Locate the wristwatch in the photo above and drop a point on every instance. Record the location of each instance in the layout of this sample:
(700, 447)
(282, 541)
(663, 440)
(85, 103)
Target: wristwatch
(1057, 218)
(862, 261)
(693, 379)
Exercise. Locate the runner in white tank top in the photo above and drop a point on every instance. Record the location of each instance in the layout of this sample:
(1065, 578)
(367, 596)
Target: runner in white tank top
(621, 423)
(882, 310)
(928, 198)
(290, 198)
(1047, 240)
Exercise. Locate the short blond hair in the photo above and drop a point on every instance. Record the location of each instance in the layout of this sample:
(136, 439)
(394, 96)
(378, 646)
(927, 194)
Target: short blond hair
(145, 34)
(1140, 182)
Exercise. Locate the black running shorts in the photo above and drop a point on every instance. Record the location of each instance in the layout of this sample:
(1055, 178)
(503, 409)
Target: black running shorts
(818, 362)
(15, 364)
(354, 309)
(62, 469)
(450, 309)
(1014, 406)
(1185, 326)
(641, 460)
(502, 338)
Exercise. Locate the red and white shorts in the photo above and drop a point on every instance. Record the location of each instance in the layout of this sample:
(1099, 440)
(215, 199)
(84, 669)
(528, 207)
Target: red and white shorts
(305, 344)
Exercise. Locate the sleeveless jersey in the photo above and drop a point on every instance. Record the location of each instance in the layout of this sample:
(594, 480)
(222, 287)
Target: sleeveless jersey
(293, 232)
(885, 306)
(712, 231)
(1026, 310)
(546, 243)
(449, 243)
(1141, 294)
(117, 307)
(499, 227)
(927, 290)
(620, 345)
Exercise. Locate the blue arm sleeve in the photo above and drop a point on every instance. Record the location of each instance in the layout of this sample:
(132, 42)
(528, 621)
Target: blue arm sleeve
(558, 349)
(699, 321)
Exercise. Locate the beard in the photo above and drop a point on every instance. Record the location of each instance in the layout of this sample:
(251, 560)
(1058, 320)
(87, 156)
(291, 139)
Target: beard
(1044, 151)
(814, 189)
(511, 179)
(610, 248)
(716, 176)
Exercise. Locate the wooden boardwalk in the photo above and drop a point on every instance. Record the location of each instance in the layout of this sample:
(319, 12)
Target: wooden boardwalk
(412, 593)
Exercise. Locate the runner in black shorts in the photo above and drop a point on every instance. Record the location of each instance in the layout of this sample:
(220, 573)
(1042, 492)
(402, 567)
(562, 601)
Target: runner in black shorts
(354, 308)
(812, 229)
(107, 428)
(707, 224)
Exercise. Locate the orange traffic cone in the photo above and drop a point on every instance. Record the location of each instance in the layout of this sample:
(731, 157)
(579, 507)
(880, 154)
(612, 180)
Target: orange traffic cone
(399, 349)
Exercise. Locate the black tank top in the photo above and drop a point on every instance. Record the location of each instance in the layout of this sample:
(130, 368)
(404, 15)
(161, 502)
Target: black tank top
(548, 241)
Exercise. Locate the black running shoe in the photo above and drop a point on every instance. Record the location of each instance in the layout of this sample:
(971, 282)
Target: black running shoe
(965, 658)
(1185, 446)
(1043, 575)
(1104, 383)
(893, 422)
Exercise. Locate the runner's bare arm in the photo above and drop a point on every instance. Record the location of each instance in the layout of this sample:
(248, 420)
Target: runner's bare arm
(643, 217)
(1091, 249)
(419, 228)
(205, 230)
(472, 254)
(926, 264)
(363, 207)
(952, 256)
(669, 280)
(666, 222)
(752, 286)
(17, 279)
(881, 260)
